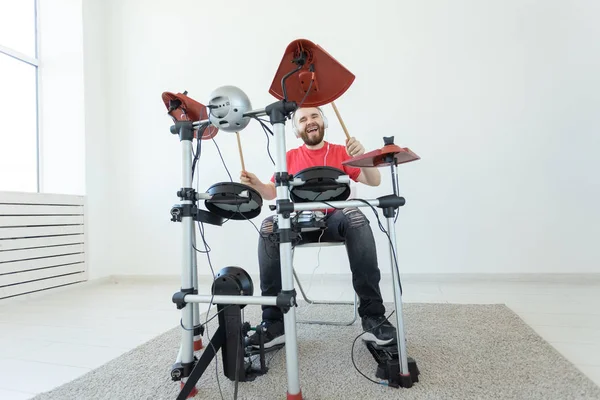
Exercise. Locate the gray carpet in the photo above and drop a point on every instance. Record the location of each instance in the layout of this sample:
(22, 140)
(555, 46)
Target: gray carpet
(463, 352)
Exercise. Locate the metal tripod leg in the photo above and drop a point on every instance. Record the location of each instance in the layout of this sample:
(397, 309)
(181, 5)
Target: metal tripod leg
(197, 341)
(327, 302)
(197, 323)
(405, 377)
(285, 253)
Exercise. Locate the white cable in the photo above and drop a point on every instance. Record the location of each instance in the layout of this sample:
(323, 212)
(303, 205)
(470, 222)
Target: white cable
(318, 263)
(323, 231)
(325, 164)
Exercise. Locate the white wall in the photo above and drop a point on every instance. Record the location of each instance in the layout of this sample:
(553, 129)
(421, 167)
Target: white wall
(499, 100)
(62, 119)
(99, 171)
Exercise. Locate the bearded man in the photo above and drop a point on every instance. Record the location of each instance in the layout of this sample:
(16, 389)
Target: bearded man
(347, 225)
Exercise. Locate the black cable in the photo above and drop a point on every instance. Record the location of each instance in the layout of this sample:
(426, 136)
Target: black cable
(307, 92)
(207, 251)
(207, 321)
(206, 326)
(396, 266)
(226, 169)
(260, 234)
(208, 312)
(389, 239)
(287, 76)
(255, 227)
(398, 189)
(201, 130)
(383, 230)
(264, 122)
(198, 250)
(222, 160)
(207, 247)
(352, 351)
(273, 356)
(264, 236)
(237, 365)
(265, 129)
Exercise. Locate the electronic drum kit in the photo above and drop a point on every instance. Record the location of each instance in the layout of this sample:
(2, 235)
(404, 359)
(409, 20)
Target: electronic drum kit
(301, 201)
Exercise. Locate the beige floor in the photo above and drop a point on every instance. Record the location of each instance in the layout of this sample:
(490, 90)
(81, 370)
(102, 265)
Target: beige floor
(49, 340)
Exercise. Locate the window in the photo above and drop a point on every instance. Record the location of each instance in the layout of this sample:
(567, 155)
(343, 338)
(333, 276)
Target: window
(19, 160)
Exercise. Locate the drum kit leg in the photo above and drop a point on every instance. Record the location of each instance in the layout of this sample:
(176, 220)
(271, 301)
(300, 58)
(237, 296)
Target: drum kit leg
(232, 289)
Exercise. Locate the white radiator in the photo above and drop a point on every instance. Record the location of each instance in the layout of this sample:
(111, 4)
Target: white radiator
(42, 242)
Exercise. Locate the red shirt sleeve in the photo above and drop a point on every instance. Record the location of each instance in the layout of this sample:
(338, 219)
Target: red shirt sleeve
(353, 172)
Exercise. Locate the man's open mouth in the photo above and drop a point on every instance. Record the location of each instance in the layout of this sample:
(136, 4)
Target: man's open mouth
(312, 129)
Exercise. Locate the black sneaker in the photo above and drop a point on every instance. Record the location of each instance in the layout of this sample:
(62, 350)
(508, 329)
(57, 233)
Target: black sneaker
(378, 330)
(272, 332)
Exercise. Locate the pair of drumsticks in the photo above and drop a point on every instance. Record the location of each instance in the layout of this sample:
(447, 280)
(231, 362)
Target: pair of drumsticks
(337, 113)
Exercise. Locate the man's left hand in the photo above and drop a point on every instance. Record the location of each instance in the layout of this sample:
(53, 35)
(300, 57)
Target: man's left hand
(354, 148)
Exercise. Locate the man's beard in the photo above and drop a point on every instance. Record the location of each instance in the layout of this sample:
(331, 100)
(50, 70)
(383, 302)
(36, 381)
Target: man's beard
(312, 140)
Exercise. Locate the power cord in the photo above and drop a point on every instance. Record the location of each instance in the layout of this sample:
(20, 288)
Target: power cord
(238, 206)
(395, 264)
(206, 326)
(264, 236)
(397, 188)
(207, 249)
(318, 262)
(296, 218)
(389, 240)
(222, 160)
(208, 320)
(208, 311)
(265, 129)
(196, 154)
(308, 91)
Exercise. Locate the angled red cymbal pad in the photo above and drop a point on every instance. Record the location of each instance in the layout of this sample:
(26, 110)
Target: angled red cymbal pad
(379, 158)
(183, 108)
(323, 74)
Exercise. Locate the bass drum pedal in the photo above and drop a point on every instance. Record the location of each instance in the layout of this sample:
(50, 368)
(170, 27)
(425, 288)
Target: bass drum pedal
(388, 366)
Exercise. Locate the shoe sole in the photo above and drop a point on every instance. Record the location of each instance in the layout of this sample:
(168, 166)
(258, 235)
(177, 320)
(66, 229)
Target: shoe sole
(369, 337)
(274, 342)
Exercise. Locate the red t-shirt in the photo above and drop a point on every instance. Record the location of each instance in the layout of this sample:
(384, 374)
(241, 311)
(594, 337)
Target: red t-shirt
(330, 155)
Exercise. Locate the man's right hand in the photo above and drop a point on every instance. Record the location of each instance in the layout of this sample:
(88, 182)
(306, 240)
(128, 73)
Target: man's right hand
(267, 191)
(248, 178)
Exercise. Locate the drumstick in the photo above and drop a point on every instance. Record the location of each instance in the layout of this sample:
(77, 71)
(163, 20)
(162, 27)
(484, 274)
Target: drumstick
(240, 149)
(341, 121)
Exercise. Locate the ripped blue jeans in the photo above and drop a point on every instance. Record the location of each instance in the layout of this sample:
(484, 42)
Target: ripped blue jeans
(349, 225)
